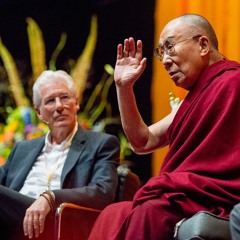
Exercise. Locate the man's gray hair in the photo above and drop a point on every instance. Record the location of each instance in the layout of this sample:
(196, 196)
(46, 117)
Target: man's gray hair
(48, 76)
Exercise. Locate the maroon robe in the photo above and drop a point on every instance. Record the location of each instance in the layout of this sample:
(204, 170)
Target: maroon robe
(201, 170)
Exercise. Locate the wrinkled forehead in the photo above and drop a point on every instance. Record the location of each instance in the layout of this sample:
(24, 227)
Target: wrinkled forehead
(174, 30)
(54, 87)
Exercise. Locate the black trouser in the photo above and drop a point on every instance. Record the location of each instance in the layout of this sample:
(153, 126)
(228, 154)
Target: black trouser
(13, 206)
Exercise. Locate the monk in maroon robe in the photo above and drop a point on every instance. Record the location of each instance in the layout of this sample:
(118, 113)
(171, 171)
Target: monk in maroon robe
(201, 170)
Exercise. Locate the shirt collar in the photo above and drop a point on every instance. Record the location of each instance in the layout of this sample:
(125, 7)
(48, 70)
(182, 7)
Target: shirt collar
(48, 145)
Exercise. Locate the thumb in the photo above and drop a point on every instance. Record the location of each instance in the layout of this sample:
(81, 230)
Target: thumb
(143, 64)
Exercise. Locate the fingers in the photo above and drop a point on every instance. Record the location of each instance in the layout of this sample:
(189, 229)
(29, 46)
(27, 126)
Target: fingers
(28, 226)
(139, 49)
(129, 49)
(33, 225)
(119, 52)
(36, 227)
(41, 223)
(126, 48)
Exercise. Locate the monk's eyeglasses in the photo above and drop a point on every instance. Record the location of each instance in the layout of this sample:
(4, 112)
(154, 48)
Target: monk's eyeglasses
(168, 47)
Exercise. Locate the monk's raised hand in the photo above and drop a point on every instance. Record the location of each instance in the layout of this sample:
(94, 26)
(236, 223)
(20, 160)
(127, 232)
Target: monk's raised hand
(130, 64)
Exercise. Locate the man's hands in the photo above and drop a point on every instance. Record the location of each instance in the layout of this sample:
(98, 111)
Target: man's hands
(130, 64)
(33, 223)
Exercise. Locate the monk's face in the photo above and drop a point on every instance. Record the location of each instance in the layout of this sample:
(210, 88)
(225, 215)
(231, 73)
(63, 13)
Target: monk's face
(181, 53)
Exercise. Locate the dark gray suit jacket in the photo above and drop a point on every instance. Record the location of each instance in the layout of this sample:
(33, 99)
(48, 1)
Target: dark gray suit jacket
(89, 177)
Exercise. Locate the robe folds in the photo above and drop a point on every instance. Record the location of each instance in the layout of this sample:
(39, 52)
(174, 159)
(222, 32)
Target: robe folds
(201, 170)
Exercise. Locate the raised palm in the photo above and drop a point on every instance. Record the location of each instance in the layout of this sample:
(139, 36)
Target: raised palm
(129, 65)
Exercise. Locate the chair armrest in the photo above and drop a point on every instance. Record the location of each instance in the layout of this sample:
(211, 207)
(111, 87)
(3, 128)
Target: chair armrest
(203, 225)
(75, 222)
(67, 215)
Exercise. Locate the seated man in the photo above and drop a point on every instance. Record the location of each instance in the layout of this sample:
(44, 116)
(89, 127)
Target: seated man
(201, 169)
(68, 165)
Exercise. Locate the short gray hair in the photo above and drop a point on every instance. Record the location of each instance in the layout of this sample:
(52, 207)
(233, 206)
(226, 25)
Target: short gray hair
(46, 77)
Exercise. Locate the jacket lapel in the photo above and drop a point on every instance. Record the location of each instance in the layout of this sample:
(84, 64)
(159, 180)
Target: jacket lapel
(27, 160)
(75, 151)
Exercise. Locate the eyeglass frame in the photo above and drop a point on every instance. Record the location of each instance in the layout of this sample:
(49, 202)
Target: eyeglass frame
(50, 102)
(159, 51)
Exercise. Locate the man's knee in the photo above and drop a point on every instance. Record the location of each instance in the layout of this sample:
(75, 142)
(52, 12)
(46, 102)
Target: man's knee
(235, 213)
(235, 222)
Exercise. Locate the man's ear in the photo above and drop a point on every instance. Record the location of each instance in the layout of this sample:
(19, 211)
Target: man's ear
(204, 45)
(77, 104)
(37, 110)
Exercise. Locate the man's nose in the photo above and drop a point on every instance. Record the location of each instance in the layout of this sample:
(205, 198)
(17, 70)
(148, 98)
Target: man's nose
(58, 102)
(165, 57)
(167, 61)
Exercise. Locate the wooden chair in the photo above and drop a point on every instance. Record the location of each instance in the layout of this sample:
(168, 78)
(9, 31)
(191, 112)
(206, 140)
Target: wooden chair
(75, 222)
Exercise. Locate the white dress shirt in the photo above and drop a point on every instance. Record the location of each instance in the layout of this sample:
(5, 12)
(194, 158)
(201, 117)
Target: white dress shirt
(49, 162)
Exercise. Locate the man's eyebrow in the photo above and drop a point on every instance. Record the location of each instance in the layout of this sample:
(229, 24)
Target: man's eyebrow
(54, 95)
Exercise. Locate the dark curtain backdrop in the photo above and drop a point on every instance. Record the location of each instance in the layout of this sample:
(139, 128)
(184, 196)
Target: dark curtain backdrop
(117, 19)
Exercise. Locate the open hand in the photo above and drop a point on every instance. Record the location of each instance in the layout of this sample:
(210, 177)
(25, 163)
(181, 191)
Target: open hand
(130, 64)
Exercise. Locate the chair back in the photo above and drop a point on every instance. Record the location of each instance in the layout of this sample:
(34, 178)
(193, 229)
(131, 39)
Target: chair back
(128, 184)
